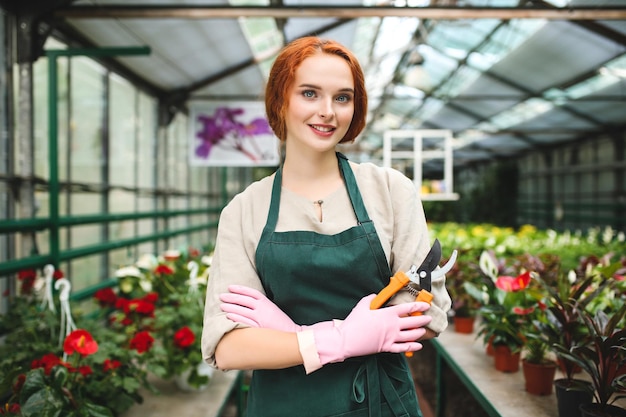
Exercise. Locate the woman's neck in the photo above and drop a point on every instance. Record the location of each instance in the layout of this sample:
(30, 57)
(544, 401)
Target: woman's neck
(313, 177)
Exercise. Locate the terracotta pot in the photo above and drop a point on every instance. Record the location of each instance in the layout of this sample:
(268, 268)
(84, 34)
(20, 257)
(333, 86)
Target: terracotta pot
(464, 324)
(489, 349)
(570, 400)
(505, 360)
(597, 410)
(539, 377)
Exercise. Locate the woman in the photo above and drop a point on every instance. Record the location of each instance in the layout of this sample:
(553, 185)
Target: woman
(300, 254)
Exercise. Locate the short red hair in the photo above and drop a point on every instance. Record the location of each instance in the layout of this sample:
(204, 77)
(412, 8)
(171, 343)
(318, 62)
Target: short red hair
(283, 74)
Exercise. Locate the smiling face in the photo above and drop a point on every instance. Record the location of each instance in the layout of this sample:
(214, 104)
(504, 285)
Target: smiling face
(320, 104)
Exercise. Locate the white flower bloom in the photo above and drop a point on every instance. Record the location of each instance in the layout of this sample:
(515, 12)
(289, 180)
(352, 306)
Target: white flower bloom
(128, 271)
(145, 285)
(571, 276)
(488, 266)
(171, 254)
(147, 261)
(207, 260)
(607, 236)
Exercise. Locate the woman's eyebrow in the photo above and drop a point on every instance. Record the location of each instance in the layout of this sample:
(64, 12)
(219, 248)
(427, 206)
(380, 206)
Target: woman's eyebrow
(317, 87)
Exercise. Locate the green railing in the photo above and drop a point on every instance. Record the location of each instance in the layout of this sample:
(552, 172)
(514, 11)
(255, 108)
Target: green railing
(39, 260)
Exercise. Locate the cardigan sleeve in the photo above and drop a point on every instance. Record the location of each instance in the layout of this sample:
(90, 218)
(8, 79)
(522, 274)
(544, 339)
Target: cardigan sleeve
(411, 243)
(233, 262)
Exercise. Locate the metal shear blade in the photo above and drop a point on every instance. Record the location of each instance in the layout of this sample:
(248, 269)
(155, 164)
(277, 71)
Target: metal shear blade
(424, 274)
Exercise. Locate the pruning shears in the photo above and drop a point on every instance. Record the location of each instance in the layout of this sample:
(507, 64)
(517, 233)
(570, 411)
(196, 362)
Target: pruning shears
(417, 280)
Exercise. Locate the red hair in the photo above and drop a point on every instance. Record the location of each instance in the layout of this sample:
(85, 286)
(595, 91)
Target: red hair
(283, 74)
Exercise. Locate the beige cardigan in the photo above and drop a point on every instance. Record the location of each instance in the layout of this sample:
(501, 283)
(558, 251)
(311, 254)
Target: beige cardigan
(392, 204)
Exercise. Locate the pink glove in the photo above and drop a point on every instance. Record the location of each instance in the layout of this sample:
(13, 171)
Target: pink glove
(249, 306)
(364, 331)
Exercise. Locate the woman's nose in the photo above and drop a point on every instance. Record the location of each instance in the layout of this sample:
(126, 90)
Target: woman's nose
(326, 109)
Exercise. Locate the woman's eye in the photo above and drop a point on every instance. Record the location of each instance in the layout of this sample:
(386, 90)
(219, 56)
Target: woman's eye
(308, 93)
(344, 98)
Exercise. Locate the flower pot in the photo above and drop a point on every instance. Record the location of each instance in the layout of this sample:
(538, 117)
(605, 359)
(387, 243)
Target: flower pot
(598, 410)
(505, 360)
(489, 350)
(182, 380)
(464, 324)
(570, 400)
(539, 377)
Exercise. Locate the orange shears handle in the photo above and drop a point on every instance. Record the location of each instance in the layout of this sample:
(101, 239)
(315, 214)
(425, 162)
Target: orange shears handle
(396, 283)
(426, 297)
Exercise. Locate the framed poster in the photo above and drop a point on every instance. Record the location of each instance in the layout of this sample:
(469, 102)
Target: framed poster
(231, 134)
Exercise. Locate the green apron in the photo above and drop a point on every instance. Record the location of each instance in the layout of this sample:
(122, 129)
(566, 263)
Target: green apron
(314, 277)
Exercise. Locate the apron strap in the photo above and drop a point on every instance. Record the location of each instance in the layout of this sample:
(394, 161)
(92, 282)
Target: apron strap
(353, 190)
(272, 216)
(373, 378)
(362, 217)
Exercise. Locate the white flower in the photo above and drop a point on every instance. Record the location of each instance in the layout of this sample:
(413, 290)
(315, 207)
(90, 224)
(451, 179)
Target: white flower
(207, 260)
(171, 254)
(147, 261)
(128, 271)
(488, 266)
(571, 276)
(145, 285)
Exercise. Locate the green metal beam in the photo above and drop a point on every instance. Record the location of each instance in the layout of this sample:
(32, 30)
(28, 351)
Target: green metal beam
(53, 129)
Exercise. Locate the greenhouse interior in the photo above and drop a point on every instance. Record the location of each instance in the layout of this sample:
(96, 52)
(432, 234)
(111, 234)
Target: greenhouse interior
(509, 117)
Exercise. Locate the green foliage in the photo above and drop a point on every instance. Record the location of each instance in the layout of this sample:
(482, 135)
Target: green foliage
(601, 354)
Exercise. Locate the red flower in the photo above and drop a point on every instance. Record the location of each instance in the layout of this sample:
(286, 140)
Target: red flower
(111, 364)
(17, 387)
(57, 274)
(28, 277)
(512, 284)
(142, 342)
(10, 409)
(126, 321)
(184, 337)
(139, 306)
(193, 252)
(47, 362)
(26, 274)
(85, 370)
(121, 303)
(80, 341)
(106, 297)
(523, 311)
(163, 270)
(151, 297)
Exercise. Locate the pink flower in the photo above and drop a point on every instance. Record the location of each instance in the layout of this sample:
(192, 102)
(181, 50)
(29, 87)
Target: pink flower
(513, 284)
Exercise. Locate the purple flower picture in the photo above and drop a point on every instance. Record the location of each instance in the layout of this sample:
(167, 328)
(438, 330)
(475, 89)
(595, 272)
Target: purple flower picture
(233, 134)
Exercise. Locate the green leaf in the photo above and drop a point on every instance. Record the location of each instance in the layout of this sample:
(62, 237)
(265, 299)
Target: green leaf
(94, 410)
(43, 403)
(35, 382)
(131, 384)
(58, 377)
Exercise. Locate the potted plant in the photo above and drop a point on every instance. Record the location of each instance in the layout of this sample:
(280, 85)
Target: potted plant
(600, 357)
(504, 318)
(538, 368)
(159, 309)
(564, 329)
(461, 280)
(81, 379)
